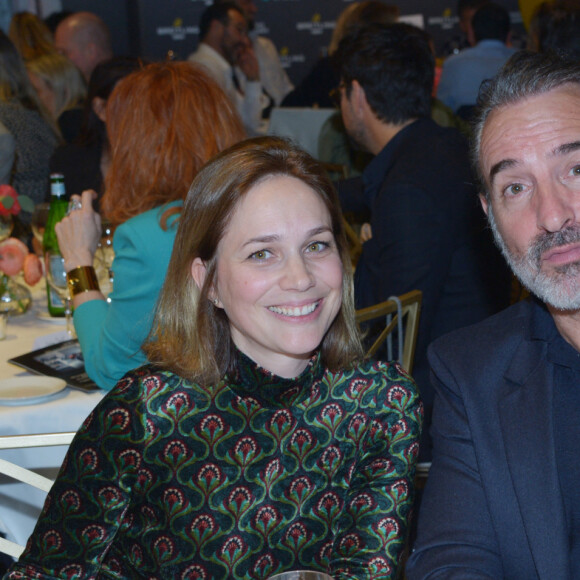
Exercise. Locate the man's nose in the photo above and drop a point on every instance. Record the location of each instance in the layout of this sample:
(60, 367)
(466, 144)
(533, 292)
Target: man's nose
(557, 207)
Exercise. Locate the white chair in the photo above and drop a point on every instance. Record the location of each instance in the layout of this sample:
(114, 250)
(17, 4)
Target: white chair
(27, 476)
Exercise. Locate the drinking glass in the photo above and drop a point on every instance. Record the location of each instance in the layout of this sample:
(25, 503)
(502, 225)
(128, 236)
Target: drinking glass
(38, 220)
(56, 278)
(6, 226)
(301, 575)
(104, 259)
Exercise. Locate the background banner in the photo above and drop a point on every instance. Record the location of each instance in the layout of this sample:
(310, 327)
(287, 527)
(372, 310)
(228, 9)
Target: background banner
(301, 29)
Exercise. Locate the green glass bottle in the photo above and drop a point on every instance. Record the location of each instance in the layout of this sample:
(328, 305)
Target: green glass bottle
(53, 262)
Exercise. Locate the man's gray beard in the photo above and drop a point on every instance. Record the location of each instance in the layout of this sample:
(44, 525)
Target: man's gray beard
(560, 289)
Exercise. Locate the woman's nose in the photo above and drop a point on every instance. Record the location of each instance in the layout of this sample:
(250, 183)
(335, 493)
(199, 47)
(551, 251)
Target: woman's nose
(297, 275)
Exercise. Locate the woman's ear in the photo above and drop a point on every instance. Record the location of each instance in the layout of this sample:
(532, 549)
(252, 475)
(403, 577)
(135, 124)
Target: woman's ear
(99, 106)
(198, 273)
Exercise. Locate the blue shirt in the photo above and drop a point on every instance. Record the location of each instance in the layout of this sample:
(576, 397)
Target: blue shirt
(463, 73)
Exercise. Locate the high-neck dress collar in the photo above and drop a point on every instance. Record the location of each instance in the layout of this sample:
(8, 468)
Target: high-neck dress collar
(251, 380)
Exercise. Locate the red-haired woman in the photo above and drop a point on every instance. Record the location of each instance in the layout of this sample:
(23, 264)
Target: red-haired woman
(164, 122)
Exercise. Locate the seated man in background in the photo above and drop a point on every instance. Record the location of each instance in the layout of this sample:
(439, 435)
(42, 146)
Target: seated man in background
(85, 40)
(464, 72)
(502, 497)
(423, 212)
(225, 50)
(273, 77)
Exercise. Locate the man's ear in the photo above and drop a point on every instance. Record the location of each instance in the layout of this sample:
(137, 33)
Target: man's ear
(357, 95)
(484, 202)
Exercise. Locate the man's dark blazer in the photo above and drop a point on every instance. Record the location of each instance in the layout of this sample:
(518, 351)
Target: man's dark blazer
(428, 234)
(492, 507)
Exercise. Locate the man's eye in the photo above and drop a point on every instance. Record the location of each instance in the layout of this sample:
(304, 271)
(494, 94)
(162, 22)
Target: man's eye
(576, 170)
(514, 189)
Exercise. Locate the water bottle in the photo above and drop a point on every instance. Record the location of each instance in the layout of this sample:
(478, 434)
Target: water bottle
(53, 261)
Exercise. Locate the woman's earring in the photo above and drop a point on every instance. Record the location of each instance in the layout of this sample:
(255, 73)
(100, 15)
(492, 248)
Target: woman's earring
(215, 301)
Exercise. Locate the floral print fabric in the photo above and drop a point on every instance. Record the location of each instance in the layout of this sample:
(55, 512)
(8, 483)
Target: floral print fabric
(244, 479)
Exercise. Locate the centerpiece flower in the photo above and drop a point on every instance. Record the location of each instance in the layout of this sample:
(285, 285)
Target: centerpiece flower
(14, 259)
(14, 255)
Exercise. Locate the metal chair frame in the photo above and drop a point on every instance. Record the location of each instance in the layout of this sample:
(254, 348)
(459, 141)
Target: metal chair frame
(410, 309)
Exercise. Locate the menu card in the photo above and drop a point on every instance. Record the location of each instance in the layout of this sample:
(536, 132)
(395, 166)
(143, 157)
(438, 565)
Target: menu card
(63, 360)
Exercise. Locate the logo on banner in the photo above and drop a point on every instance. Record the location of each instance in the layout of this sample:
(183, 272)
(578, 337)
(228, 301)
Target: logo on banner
(177, 31)
(446, 21)
(316, 26)
(261, 29)
(287, 59)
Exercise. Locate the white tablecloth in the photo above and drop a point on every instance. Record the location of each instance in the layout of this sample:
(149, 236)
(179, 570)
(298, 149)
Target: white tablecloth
(65, 411)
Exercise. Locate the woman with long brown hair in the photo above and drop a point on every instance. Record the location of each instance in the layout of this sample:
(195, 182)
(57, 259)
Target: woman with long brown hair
(164, 122)
(257, 441)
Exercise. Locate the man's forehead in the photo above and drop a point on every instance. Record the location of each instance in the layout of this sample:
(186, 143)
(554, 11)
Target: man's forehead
(538, 119)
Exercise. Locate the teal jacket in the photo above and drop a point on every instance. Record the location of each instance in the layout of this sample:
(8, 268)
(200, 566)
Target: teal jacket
(111, 333)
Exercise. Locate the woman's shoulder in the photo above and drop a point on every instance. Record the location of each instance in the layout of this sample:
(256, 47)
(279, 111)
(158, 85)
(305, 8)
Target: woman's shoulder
(150, 220)
(151, 383)
(375, 370)
(385, 380)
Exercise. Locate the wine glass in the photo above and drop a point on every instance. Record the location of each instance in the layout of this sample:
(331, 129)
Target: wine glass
(6, 225)
(56, 278)
(104, 258)
(38, 220)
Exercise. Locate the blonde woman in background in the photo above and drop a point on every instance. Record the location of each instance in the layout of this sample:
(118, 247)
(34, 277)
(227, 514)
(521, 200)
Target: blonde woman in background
(61, 89)
(30, 35)
(30, 135)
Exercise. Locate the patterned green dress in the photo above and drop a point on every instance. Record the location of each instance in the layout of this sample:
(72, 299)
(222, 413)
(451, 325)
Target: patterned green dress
(250, 477)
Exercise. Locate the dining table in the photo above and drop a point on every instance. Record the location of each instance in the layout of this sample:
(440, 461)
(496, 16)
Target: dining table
(62, 411)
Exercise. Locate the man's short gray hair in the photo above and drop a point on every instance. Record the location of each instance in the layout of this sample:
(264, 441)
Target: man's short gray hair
(524, 75)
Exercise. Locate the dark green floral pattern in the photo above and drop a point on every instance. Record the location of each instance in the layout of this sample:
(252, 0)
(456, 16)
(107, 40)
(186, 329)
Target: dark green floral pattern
(245, 479)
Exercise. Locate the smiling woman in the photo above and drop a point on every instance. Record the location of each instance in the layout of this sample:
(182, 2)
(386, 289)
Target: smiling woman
(257, 442)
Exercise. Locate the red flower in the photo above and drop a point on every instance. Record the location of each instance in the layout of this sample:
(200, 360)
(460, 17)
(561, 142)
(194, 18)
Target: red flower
(9, 204)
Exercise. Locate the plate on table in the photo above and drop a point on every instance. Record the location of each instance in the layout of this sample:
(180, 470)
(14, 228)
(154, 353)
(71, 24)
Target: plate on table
(29, 390)
(44, 315)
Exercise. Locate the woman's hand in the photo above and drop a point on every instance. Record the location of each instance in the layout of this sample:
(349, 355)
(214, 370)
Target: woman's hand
(79, 233)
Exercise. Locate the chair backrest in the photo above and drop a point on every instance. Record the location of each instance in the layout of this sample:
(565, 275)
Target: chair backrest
(301, 124)
(405, 316)
(27, 476)
(354, 243)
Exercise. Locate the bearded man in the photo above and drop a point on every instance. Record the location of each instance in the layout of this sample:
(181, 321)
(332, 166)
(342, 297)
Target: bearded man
(502, 495)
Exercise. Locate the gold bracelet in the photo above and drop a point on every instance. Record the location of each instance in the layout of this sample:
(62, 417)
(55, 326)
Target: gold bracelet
(82, 279)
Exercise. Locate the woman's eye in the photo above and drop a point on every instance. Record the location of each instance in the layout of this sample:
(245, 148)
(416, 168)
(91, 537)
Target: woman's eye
(260, 255)
(317, 247)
